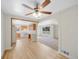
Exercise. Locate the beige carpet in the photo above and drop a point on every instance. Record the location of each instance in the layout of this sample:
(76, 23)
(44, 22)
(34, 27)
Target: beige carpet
(53, 43)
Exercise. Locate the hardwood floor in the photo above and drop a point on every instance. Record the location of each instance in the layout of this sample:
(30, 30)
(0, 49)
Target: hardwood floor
(32, 50)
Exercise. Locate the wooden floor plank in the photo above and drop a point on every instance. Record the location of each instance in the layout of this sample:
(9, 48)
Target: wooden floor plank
(32, 50)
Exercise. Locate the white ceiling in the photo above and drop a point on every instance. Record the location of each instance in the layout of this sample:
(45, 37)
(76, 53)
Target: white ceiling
(15, 7)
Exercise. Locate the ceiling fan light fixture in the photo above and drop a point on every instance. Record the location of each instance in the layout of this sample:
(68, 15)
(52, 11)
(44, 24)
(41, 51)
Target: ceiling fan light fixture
(37, 14)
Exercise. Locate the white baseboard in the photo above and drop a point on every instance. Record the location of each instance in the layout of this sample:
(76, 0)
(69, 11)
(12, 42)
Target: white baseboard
(4, 52)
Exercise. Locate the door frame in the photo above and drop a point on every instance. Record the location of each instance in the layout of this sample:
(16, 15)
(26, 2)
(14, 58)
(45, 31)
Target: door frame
(22, 20)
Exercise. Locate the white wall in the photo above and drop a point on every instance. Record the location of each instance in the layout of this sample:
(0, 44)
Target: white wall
(68, 21)
(47, 22)
(3, 33)
(8, 31)
(13, 34)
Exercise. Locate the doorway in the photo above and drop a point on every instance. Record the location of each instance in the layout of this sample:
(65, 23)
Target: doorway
(23, 29)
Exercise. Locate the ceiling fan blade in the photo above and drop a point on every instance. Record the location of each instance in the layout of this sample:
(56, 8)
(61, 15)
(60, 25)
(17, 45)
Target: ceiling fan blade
(29, 13)
(27, 6)
(46, 12)
(37, 5)
(45, 3)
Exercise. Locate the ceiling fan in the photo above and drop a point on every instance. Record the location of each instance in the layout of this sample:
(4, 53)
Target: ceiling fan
(38, 8)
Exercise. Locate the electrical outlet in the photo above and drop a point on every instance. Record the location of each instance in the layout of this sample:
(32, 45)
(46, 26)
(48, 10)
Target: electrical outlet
(65, 52)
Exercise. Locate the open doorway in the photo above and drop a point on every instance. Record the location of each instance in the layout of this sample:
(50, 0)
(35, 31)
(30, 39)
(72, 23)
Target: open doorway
(48, 33)
(23, 29)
